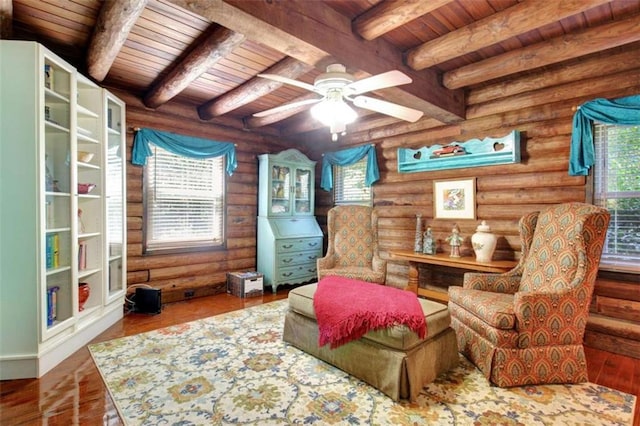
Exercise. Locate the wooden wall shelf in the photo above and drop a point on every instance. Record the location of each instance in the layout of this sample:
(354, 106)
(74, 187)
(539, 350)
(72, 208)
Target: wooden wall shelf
(485, 152)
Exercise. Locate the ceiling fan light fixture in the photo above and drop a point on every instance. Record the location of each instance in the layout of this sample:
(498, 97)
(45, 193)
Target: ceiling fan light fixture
(335, 113)
(333, 110)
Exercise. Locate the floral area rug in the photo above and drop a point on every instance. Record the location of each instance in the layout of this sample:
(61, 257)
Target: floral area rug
(235, 369)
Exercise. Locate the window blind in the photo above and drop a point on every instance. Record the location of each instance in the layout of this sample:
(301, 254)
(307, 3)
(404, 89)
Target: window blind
(349, 187)
(617, 188)
(184, 201)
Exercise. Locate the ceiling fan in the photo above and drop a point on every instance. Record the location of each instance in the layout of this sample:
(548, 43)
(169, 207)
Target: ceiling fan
(335, 86)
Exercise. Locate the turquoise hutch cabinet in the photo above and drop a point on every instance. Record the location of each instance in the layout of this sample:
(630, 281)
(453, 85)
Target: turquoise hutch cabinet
(289, 237)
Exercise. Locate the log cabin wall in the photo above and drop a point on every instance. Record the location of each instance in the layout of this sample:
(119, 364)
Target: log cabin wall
(541, 106)
(200, 273)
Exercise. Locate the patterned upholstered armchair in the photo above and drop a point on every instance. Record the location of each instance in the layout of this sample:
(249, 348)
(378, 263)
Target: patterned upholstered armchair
(527, 326)
(352, 251)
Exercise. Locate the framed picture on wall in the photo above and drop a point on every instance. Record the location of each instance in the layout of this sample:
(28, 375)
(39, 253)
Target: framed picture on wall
(454, 199)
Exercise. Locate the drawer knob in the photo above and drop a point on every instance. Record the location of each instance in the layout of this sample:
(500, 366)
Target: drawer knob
(287, 274)
(287, 260)
(313, 244)
(288, 246)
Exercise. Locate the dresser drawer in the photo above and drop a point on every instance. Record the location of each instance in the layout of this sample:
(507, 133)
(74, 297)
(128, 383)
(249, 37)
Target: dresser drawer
(297, 258)
(298, 273)
(298, 244)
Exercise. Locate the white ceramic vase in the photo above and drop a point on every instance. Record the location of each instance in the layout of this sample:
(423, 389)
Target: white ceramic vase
(484, 243)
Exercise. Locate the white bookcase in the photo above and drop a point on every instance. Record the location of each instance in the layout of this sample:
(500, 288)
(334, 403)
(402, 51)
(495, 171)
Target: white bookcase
(53, 235)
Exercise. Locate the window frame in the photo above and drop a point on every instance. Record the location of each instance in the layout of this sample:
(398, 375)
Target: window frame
(183, 246)
(338, 183)
(607, 262)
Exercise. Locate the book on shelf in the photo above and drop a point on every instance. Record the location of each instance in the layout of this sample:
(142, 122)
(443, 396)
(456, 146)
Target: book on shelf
(48, 76)
(56, 250)
(49, 251)
(82, 255)
(52, 251)
(52, 305)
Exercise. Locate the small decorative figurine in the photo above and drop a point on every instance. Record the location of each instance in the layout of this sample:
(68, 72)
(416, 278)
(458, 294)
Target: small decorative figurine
(48, 176)
(417, 245)
(454, 241)
(429, 244)
(81, 229)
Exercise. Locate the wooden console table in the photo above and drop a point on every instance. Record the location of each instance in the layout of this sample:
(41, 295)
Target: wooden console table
(443, 259)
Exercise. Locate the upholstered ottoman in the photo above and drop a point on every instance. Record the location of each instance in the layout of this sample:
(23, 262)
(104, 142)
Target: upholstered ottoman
(393, 360)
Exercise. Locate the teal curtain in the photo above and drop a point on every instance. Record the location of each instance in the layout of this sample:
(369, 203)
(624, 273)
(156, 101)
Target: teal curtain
(346, 157)
(187, 146)
(624, 111)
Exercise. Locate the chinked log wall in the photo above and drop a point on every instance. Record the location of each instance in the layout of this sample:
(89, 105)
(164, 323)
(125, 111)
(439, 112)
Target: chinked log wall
(200, 273)
(541, 107)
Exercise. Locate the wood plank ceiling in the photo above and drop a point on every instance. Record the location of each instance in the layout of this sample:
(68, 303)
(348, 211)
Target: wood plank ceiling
(206, 54)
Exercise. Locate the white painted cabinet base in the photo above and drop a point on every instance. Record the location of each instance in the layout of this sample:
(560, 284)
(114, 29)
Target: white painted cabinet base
(37, 365)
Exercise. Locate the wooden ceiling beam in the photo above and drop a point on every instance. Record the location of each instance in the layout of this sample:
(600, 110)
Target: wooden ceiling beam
(556, 50)
(519, 19)
(253, 89)
(302, 124)
(300, 29)
(115, 20)
(255, 29)
(602, 64)
(217, 45)
(391, 14)
(6, 19)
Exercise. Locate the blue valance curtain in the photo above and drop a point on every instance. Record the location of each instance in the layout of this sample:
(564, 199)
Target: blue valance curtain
(187, 146)
(624, 111)
(346, 157)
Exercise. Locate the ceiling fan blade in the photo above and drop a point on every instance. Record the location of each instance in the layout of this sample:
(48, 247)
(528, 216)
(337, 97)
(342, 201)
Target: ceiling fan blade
(380, 81)
(300, 84)
(388, 108)
(286, 107)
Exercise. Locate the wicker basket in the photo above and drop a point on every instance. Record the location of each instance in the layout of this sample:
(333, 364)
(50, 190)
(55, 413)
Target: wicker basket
(84, 156)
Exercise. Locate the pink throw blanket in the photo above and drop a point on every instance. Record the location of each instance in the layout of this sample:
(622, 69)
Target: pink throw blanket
(347, 309)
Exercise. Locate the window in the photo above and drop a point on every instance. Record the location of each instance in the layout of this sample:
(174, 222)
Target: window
(183, 202)
(349, 186)
(616, 179)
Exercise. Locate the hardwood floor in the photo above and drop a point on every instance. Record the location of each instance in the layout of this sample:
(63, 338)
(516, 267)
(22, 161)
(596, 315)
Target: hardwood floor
(73, 392)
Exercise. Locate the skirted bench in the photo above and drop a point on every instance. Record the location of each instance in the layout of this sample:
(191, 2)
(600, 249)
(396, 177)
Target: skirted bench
(394, 360)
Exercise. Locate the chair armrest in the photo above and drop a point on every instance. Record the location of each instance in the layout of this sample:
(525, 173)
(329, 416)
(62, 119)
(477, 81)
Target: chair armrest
(379, 265)
(327, 262)
(551, 318)
(496, 283)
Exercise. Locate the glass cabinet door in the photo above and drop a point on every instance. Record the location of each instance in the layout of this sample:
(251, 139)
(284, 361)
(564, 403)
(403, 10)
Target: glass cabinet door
(90, 191)
(115, 199)
(302, 200)
(280, 190)
(57, 184)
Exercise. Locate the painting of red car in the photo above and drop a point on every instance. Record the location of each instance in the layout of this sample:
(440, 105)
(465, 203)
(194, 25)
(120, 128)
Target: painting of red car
(448, 150)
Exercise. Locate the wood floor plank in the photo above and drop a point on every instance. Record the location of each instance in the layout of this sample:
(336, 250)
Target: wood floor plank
(74, 393)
